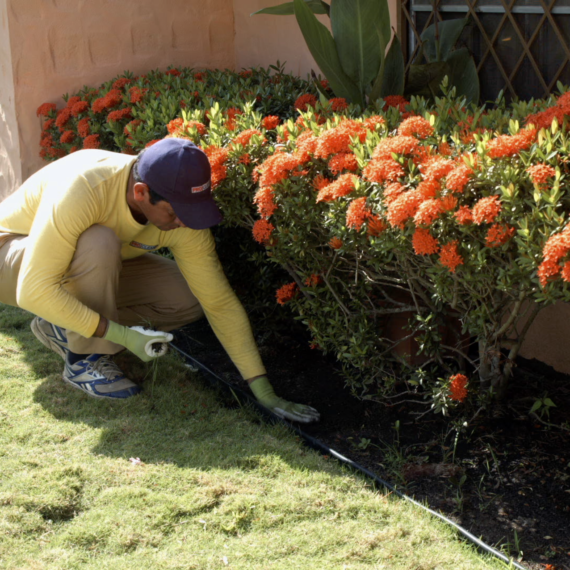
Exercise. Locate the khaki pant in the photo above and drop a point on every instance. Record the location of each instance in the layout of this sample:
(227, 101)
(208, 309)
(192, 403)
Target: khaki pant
(147, 290)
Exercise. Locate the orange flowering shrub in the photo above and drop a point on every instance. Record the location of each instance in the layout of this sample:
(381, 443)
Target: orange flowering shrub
(443, 205)
(154, 105)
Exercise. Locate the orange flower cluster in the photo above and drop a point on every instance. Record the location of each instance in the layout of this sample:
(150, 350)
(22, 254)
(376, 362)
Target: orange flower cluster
(67, 137)
(270, 122)
(357, 214)
(458, 387)
(415, 127)
(458, 178)
(449, 256)
(200, 127)
(335, 243)
(395, 101)
(277, 167)
(559, 111)
(392, 192)
(306, 146)
(383, 170)
(404, 145)
(403, 208)
(286, 293)
(437, 168)
(136, 94)
(555, 249)
(262, 230)
(499, 234)
(83, 127)
(63, 116)
(245, 136)
(320, 182)
(79, 107)
(45, 109)
(119, 115)
(486, 210)
(343, 161)
(540, 173)
(337, 139)
(372, 123)
(121, 82)
(464, 216)
(173, 72)
(92, 141)
(510, 145)
(174, 126)
(217, 157)
(338, 104)
(265, 203)
(342, 186)
(112, 99)
(423, 242)
(313, 280)
(305, 101)
(376, 225)
(428, 211)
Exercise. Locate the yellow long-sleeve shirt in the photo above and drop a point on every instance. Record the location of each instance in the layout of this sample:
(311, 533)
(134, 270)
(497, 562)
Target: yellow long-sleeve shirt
(58, 203)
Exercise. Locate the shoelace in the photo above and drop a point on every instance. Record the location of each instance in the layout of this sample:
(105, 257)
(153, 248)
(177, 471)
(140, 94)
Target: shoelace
(107, 368)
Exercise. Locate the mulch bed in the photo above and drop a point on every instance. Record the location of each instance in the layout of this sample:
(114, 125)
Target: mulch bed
(506, 479)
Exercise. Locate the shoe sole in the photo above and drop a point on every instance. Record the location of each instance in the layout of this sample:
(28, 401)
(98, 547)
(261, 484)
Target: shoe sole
(39, 334)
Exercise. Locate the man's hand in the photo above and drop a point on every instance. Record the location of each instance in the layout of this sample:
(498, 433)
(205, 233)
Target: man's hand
(266, 396)
(146, 344)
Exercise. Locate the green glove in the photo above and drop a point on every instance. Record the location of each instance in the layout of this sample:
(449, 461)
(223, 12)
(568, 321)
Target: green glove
(266, 396)
(146, 344)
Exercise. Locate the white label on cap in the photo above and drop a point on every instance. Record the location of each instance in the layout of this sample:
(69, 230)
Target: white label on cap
(196, 189)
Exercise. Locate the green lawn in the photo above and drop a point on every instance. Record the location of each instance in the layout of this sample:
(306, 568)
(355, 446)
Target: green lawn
(215, 488)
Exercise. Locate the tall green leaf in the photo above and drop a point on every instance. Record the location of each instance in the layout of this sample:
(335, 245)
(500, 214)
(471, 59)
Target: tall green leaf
(390, 80)
(356, 25)
(322, 47)
(449, 32)
(463, 75)
(288, 9)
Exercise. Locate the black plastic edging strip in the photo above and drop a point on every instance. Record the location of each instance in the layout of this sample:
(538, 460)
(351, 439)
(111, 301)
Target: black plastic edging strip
(317, 445)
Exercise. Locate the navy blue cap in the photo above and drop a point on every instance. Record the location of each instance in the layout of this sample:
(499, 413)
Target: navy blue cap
(180, 172)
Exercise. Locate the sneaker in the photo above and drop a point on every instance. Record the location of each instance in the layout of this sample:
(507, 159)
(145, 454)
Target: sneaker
(51, 336)
(100, 377)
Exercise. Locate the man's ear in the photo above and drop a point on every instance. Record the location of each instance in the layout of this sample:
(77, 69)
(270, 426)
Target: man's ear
(140, 191)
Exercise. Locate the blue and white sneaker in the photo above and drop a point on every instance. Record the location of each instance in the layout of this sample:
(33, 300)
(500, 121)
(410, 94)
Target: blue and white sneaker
(51, 336)
(98, 376)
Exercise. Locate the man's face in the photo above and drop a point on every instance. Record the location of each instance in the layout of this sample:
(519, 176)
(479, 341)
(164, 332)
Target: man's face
(160, 214)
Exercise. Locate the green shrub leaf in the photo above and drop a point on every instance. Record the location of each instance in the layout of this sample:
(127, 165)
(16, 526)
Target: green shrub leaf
(356, 26)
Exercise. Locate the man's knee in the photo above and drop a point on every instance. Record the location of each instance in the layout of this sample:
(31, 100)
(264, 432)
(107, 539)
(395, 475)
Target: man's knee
(100, 246)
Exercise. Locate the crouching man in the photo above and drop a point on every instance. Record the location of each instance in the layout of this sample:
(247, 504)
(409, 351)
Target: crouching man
(74, 250)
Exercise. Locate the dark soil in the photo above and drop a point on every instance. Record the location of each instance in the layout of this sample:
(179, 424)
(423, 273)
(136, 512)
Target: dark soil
(505, 479)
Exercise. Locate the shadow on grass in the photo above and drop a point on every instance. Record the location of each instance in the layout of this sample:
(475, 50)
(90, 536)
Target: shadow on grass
(178, 418)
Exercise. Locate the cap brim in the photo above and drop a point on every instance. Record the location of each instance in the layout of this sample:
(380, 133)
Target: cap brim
(198, 216)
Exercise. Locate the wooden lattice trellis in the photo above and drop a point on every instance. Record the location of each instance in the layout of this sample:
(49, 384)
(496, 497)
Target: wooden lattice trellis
(520, 46)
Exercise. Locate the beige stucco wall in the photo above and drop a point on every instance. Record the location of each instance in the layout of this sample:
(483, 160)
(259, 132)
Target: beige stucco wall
(262, 39)
(58, 46)
(10, 166)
